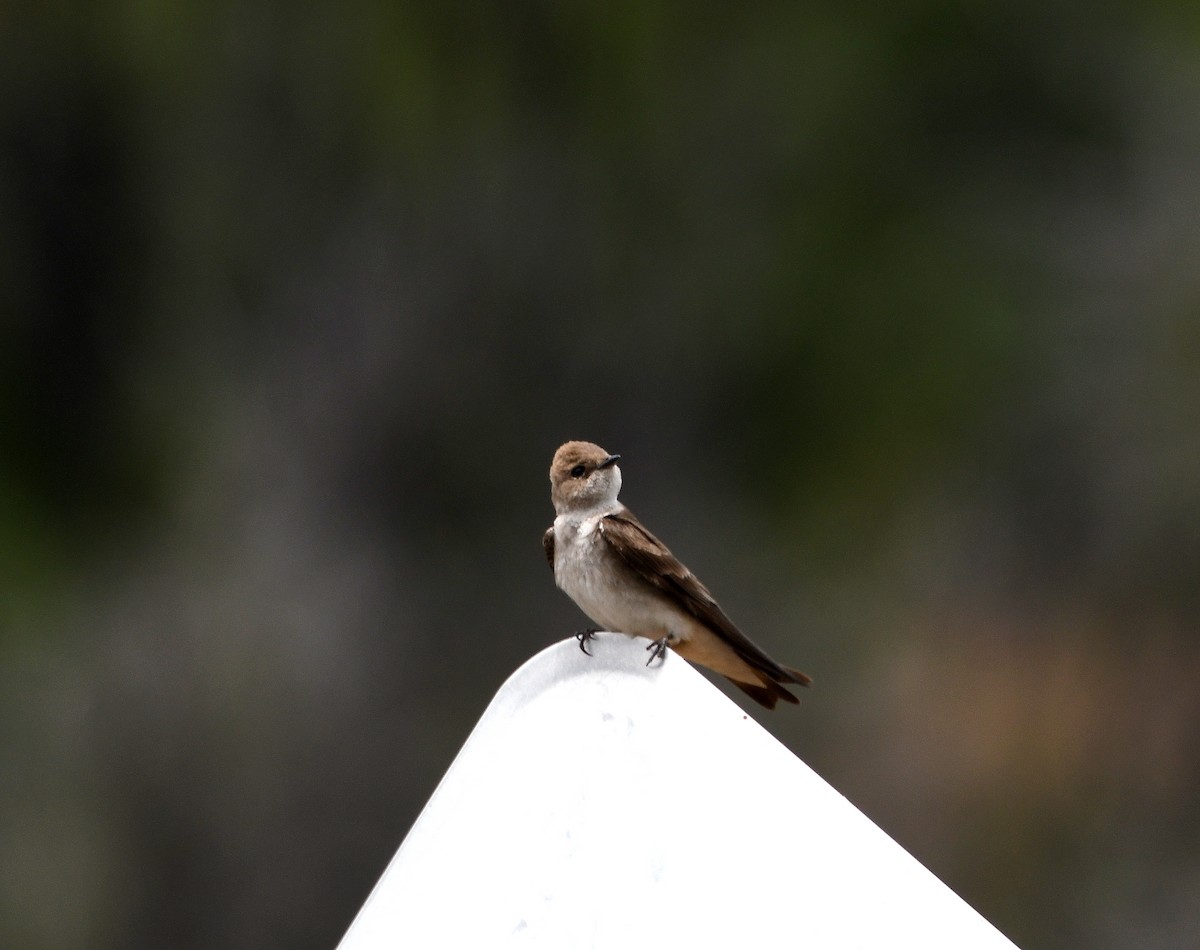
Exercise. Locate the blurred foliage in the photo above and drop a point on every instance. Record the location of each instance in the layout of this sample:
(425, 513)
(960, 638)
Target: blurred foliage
(298, 302)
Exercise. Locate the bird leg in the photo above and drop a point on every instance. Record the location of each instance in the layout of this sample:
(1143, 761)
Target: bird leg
(658, 649)
(583, 636)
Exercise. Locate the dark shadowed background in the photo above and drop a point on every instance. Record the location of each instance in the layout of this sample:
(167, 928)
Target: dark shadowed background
(892, 309)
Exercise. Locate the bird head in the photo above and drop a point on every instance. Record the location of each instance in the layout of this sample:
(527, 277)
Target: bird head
(583, 476)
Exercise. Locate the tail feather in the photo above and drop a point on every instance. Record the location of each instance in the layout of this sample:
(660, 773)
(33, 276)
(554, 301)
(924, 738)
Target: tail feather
(766, 694)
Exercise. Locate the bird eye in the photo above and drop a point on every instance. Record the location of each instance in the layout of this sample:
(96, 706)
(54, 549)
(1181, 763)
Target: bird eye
(578, 470)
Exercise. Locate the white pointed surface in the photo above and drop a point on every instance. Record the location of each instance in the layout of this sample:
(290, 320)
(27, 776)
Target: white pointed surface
(601, 803)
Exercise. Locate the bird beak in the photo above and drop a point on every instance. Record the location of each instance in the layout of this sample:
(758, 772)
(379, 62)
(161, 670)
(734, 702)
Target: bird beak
(608, 461)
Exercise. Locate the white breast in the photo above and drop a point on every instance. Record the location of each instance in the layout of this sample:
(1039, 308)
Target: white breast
(578, 567)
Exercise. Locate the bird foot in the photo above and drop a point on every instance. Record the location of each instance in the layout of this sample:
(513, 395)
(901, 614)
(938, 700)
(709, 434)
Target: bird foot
(658, 650)
(583, 636)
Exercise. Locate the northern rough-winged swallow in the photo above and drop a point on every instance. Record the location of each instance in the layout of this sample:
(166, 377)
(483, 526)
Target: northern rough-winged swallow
(627, 581)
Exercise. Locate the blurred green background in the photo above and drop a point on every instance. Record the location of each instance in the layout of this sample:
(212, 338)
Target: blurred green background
(892, 309)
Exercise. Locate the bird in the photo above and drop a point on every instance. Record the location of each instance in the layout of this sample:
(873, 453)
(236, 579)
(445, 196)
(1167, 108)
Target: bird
(626, 580)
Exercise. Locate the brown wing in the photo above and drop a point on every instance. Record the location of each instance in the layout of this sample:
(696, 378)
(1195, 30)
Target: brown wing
(548, 545)
(655, 564)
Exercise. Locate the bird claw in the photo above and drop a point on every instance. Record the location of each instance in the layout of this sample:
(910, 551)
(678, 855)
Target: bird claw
(583, 636)
(658, 650)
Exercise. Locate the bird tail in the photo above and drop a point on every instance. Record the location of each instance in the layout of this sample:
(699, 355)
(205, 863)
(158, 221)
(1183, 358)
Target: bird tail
(770, 690)
(766, 694)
